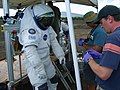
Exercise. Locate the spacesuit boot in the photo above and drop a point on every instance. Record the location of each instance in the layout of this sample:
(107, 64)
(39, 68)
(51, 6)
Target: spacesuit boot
(52, 86)
(42, 87)
(52, 83)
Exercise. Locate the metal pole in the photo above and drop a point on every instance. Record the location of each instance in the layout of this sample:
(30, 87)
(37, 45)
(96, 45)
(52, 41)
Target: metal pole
(5, 7)
(73, 45)
(9, 57)
(8, 46)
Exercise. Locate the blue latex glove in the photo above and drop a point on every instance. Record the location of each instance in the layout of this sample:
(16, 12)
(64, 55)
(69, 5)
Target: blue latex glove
(95, 54)
(86, 57)
(81, 41)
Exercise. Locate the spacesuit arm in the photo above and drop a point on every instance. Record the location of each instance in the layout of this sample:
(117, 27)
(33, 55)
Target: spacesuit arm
(32, 56)
(57, 49)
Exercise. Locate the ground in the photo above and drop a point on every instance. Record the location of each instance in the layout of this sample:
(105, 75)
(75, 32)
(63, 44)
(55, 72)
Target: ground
(2, 45)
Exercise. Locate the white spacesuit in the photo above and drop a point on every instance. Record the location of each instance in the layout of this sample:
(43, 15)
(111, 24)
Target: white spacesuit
(36, 36)
(64, 26)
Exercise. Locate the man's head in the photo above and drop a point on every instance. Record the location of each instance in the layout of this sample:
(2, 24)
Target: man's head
(105, 11)
(109, 18)
(89, 17)
(43, 16)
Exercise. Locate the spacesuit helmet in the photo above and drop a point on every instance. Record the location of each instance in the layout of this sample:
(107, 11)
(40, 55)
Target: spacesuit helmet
(43, 16)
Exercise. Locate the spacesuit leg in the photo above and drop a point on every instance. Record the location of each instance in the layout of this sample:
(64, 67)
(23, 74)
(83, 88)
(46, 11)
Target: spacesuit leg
(52, 84)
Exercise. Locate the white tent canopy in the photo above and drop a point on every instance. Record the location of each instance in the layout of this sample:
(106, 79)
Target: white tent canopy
(14, 4)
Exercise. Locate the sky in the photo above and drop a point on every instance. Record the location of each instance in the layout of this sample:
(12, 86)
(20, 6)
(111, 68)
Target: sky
(12, 12)
(75, 8)
(102, 3)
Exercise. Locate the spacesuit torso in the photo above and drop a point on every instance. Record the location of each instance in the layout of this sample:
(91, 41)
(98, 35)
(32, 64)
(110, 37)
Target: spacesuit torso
(41, 40)
(43, 46)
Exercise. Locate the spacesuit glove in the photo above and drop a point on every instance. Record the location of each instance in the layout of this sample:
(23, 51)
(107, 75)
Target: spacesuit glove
(81, 41)
(62, 60)
(87, 57)
(95, 54)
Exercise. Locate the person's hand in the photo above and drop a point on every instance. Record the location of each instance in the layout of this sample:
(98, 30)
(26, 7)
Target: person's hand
(86, 57)
(95, 54)
(81, 41)
(62, 60)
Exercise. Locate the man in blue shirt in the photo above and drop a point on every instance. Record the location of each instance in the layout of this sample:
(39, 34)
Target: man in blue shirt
(108, 70)
(95, 40)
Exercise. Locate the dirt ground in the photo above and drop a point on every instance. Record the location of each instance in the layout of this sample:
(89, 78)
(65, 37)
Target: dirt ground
(80, 31)
(2, 45)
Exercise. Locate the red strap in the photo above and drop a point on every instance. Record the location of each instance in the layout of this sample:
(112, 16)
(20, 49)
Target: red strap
(111, 47)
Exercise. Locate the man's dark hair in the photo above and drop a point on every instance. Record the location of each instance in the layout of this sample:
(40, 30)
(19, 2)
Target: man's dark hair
(116, 17)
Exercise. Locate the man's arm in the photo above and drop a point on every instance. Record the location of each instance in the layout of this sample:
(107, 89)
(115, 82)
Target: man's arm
(101, 71)
(94, 47)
